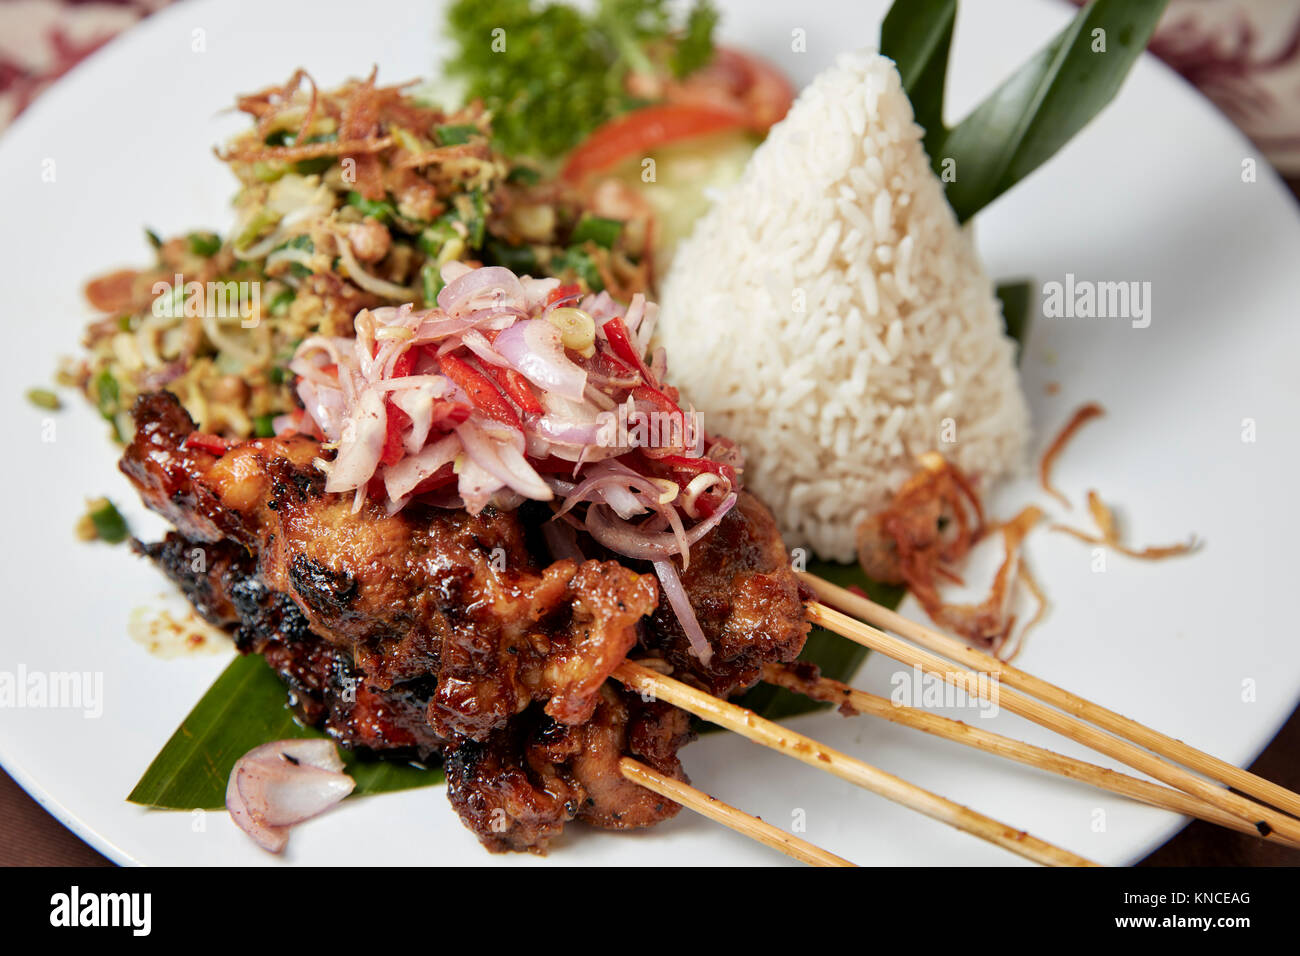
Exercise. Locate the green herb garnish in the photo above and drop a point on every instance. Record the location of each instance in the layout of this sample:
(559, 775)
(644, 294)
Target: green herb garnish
(551, 74)
(521, 260)
(280, 302)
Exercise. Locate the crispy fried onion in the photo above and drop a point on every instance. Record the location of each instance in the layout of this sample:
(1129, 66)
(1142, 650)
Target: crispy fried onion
(931, 525)
(1081, 416)
(1109, 535)
(360, 120)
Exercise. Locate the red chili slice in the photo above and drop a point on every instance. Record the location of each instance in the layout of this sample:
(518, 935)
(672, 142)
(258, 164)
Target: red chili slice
(697, 466)
(405, 364)
(515, 386)
(563, 292)
(397, 423)
(439, 479)
(482, 393)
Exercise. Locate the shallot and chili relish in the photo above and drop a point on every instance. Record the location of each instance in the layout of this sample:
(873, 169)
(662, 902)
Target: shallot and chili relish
(517, 388)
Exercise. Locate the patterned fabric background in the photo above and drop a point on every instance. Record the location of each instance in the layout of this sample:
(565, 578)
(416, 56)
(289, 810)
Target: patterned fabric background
(1243, 54)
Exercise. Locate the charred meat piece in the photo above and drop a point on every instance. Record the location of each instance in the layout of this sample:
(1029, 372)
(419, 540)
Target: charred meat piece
(746, 598)
(429, 592)
(435, 631)
(517, 789)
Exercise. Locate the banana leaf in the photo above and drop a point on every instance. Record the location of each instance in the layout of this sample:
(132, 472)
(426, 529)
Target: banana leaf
(1034, 112)
(245, 707)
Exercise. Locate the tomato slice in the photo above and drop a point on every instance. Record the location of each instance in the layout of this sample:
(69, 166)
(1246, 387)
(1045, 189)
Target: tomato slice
(733, 91)
(638, 132)
(749, 83)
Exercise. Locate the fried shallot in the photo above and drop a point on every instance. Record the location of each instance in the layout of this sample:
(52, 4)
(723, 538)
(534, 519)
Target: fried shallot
(931, 525)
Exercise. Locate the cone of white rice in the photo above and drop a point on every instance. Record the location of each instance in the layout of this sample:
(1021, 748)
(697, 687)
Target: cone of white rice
(830, 316)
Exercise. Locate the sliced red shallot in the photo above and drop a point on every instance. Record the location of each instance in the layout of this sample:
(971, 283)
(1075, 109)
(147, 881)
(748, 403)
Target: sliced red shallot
(534, 349)
(681, 605)
(627, 539)
(405, 476)
(277, 785)
(503, 460)
(325, 405)
(361, 444)
(490, 285)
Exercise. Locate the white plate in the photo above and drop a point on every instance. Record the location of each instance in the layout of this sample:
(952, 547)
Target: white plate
(1200, 647)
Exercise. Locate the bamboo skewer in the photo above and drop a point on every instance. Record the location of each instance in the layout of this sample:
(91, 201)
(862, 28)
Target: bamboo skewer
(1152, 794)
(1264, 819)
(719, 812)
(1125, 727)
(809, 751)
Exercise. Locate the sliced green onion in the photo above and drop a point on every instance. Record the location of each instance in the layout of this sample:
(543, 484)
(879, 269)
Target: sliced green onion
(107, 394)
(381, 209)
(524, 176)
(262, 426)
(280, 302)
(578, 261)
(520, 260)
(472, 210)
(260, 223)
(431, 282)
(268, 172)
(106, 521)
(603, 232)
(44, 398)
(206, 244)
(434, 238)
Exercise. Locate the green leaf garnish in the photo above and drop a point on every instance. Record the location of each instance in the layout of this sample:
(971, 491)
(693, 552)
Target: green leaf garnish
(1032, 114)
(917, 36)
(242, 710)
(1015, 297)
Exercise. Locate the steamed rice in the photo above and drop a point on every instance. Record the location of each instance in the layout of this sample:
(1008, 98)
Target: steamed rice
(830, 316)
